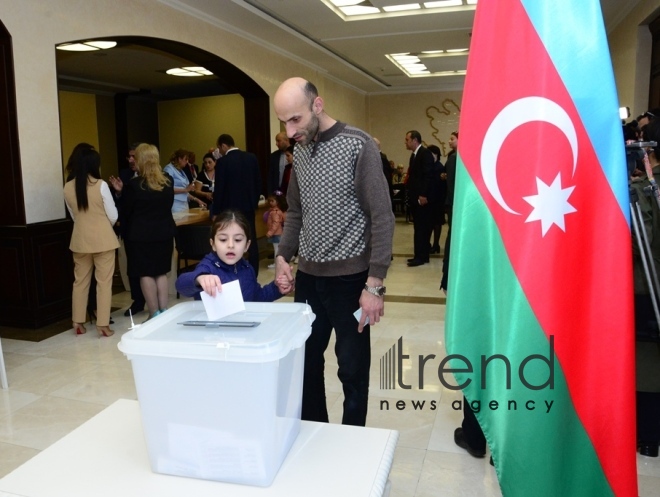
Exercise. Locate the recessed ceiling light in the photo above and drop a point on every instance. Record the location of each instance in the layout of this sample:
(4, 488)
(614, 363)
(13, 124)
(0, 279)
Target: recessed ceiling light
(358, 10)
(86, 46)
(399, 8)
(450, 52)
(201, 70)
(352, 10)
(443, 3)
(189, 72)
(103, 45)
(413, 67)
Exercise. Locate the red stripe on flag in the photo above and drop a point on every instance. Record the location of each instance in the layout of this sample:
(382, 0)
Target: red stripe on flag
(577, 279)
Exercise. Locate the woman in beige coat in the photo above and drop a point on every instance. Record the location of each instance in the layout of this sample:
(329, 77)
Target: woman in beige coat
(93, 241)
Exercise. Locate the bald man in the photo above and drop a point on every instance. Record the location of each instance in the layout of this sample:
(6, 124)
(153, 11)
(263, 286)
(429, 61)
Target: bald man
(277, 162)
(344, 241)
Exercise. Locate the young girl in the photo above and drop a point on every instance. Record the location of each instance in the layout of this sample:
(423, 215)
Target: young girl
(229, 241)
(275, 220)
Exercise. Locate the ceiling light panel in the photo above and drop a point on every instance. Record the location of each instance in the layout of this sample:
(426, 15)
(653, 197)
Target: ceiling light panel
(358, 10)
(353, 10)
(431, 63)
(76, 47)
(400, 8)
(189, 72)
(86, 46)
(443, 4)
(103, 45)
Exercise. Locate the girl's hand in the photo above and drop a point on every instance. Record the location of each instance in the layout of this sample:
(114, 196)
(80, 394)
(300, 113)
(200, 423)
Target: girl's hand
(210, 283)
(283, 285)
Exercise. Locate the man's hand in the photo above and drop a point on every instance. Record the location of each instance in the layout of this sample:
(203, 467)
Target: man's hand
(372, 305)
(284, 275)
(210, 283)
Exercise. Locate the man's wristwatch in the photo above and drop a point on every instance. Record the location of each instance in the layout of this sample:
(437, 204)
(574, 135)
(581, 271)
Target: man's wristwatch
(378, 291)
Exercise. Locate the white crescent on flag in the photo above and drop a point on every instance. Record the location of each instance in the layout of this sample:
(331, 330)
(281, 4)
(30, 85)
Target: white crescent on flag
(516, 114)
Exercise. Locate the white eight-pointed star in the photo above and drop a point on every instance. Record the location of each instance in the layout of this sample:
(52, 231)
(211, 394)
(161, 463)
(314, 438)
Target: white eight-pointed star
(550, 204)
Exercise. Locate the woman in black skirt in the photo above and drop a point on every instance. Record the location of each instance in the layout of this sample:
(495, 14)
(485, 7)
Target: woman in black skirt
(150, 227)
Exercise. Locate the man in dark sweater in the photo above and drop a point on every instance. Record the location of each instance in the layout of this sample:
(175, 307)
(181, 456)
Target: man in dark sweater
(344, 241)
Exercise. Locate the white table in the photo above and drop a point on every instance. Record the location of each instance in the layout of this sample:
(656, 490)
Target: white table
(107, 456)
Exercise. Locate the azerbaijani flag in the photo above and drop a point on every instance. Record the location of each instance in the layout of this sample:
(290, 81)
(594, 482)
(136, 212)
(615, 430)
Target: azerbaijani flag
(541, 262)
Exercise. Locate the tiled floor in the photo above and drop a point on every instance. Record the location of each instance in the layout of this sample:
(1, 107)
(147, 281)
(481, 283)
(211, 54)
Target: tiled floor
(59, 383)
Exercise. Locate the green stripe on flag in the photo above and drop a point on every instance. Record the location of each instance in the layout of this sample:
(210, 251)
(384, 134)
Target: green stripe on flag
(537, 452)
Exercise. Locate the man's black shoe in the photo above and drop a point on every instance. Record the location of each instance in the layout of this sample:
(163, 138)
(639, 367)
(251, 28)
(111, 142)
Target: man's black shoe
(491, 461)
(415, 263)
(411, 260)
(649, 450)
(134, 309)
(459, 439)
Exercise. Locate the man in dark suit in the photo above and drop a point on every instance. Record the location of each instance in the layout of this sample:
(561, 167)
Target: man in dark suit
(238, 186)
(277, 162)
(420, 178)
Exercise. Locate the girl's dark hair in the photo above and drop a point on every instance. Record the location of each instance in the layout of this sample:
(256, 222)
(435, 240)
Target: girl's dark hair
(208, 156)
(226, 217)
(455, 133)
(87, 164)
(70, 165)
(280, 199)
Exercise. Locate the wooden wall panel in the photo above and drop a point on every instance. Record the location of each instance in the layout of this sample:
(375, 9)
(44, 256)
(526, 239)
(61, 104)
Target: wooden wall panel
(37, 269)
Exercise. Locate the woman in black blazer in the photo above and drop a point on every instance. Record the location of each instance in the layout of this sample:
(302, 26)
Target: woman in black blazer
(150, 227)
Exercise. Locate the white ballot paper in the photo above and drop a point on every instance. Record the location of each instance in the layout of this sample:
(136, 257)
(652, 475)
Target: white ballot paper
(228, 301)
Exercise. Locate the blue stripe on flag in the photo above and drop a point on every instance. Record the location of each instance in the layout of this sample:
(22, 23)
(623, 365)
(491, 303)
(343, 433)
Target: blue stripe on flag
(577, 45)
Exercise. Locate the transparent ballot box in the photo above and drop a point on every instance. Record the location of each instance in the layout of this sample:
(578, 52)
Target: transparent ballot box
(220, 402)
